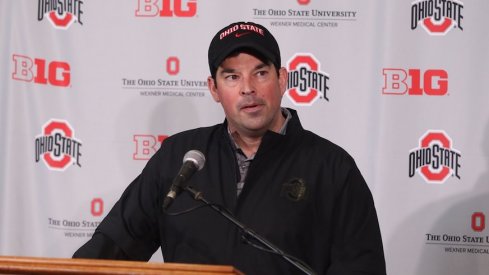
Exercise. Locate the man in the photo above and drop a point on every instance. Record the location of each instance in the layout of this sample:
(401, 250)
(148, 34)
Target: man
(301, 192)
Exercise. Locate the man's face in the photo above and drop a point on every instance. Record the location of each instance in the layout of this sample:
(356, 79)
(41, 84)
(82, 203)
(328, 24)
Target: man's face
(250, 93)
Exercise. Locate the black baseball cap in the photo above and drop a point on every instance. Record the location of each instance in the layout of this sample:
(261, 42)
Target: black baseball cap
(242, 35)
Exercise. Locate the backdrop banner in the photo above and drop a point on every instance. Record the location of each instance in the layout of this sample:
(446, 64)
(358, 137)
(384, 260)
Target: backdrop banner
(89, 89)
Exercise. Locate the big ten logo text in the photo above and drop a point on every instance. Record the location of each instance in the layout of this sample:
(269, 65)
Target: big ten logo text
(305, 81)
(432, 82)
(97, 207)
(478, 221)
(41, 71)
(172, 65)
(166, 8)
(146, 146)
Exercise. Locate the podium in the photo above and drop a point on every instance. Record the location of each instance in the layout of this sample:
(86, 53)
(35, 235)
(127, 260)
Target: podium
(34, 265)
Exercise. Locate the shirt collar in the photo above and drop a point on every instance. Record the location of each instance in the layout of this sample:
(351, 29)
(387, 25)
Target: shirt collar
(282, 131)
(288, 116)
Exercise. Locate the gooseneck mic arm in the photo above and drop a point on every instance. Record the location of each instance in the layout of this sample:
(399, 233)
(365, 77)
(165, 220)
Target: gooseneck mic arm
(197, 195)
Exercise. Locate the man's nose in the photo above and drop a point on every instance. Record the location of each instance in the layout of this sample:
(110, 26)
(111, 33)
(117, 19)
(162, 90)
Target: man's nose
(247, 87)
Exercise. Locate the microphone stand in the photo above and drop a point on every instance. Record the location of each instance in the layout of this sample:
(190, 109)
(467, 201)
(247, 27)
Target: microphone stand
(197, 195)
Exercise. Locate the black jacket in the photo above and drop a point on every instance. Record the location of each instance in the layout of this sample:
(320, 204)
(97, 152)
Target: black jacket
(302, 193)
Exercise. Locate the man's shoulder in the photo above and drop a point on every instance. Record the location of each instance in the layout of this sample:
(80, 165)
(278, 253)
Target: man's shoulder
(318, 147)
(199, 134)
(309, 139)
(318, 141)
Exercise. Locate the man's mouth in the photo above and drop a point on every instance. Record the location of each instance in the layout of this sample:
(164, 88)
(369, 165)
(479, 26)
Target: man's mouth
(251, 107)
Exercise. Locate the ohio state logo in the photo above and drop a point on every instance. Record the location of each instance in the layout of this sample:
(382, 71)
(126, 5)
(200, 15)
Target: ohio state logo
(437, 17)
(166, 8)
(61, 13)
(303, 2)
(478, 222)
(306, 82)
(57, 146)
(435, 160)
(97, 207)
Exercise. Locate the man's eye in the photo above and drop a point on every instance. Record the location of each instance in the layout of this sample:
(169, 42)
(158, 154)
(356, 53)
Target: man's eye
(262, 73)
(231, 77)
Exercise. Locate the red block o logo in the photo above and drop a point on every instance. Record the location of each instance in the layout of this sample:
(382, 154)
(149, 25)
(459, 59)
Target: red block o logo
(50, 128)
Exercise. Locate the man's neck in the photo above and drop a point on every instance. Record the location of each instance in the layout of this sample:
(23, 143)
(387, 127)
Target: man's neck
(248, 144)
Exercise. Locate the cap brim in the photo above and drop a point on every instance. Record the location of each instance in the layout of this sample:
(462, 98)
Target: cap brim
(243, 45)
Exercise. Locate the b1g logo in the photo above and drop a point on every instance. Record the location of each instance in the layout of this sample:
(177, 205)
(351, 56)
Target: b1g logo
(415, 82)
(146, 146)
(306, 82)
(166, 8)
(437, 17)
(61, 13)
(41, 71)
(57, 145)
(435, 160)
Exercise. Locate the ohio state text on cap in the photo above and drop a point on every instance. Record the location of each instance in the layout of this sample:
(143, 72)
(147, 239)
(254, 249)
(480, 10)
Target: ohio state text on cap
(242, 35)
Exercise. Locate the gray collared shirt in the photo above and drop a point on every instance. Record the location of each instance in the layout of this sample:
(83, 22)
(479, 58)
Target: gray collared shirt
(243, 161)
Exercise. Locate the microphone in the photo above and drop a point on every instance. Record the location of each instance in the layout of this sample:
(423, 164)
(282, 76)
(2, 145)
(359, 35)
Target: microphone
(193, 161)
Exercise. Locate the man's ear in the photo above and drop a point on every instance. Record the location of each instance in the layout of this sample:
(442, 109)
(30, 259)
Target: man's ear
(211, 84)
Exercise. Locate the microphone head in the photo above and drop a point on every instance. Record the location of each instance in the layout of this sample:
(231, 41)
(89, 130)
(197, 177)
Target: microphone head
(196, 157)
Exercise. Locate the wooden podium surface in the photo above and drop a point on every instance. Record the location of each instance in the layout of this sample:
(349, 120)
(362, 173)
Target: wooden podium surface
(34, 265)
